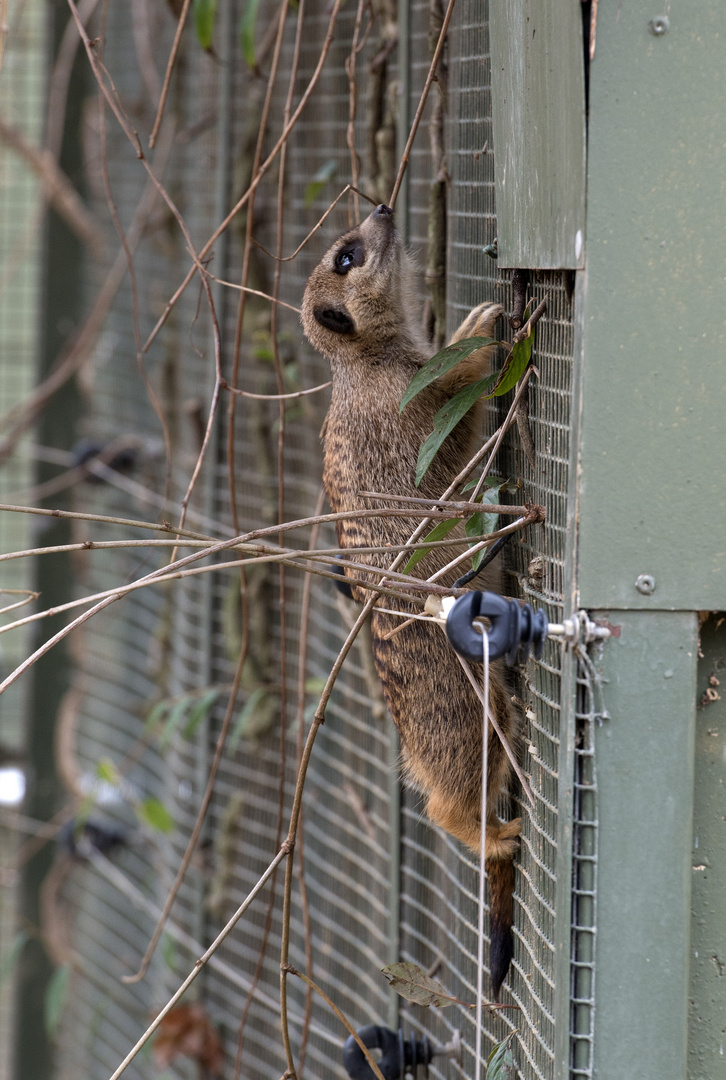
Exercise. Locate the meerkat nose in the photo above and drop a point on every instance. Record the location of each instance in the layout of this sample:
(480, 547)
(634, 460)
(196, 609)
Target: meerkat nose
(383, 211)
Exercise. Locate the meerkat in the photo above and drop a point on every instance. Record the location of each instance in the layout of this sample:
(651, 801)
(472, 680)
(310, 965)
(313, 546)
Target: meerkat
(360, 311)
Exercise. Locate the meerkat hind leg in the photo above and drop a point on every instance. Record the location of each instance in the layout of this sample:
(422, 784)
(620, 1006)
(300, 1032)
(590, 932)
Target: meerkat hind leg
(501, 836)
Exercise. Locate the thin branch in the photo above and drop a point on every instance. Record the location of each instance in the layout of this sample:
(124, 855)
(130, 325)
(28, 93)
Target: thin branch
(276, 397)
(252, 292)
(405, 157)
(298, 249)
(167, 77)
(290, 970)
(254, 184)
(282, 854)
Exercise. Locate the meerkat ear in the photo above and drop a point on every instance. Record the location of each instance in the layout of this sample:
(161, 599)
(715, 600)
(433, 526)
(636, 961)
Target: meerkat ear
(336, 319)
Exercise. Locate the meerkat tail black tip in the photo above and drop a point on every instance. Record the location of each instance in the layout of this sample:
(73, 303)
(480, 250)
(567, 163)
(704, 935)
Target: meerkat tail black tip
(501, 887)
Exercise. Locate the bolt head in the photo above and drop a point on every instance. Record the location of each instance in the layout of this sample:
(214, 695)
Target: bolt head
(645, 584)
(659, 25)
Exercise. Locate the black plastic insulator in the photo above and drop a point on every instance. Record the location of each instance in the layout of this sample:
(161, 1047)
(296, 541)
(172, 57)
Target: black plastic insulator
(399, 1056)
(514, 629)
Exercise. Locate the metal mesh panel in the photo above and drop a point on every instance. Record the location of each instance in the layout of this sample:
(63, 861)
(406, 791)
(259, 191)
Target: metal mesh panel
(584, 883)
(438, 878)
(21, 107)
(168, 643)
(22, 103)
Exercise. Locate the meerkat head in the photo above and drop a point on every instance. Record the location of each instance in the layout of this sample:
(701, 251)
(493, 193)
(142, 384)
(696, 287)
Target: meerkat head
(360, 295)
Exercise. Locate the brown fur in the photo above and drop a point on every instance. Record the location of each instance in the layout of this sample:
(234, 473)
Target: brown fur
(361, 313)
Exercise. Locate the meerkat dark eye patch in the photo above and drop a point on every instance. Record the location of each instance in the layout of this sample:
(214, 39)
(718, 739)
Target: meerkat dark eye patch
(348, 256)
(336, 319)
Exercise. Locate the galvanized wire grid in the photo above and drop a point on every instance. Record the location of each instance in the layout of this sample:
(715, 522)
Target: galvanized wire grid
(584, 885)
(21, 105)
(22, 100)
(125, 659)
(439, 890)
(171, 643)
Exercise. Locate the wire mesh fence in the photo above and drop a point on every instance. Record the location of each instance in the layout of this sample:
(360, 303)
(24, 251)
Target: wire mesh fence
(374, 883)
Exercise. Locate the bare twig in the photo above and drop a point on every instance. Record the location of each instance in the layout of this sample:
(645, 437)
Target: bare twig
(405, 157)
(201, 815)
(277, 397)
(319, 223)
(169, 69)
(255, 182)
(290, 970)
(282, 854)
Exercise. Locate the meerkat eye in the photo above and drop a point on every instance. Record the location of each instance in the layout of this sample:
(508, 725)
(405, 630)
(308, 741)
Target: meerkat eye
(349, 256)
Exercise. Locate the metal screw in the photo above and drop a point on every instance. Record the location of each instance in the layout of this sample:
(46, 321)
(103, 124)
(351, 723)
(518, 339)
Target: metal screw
(645, 584)
(659, 25)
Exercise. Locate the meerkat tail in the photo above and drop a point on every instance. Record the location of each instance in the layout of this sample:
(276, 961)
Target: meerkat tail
(500, 873)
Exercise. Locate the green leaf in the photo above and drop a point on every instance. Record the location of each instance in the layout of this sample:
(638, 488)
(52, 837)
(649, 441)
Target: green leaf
(200, 711)
(482, 523)
(169, 951)
(446, 420)
(247, 32)
(439, 532)
(500, 1063)
(491, 481)
(315, 685)
(11, 955)
(154, 814)
(155, 716)
(413, 984)
(325, 173)
(256, 718)
(173, 720)
(205, 14)
(515, 365)
(107, 772)
(55, 997)
(442, 362)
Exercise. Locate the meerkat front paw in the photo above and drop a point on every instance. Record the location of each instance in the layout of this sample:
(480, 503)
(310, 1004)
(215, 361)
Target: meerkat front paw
(480, 322)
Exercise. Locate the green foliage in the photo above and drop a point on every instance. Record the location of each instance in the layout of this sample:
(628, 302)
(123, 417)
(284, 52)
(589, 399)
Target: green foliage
(500, 1063)
(9, 960)
(107, 772)
(443, 361)
(55, 998)
(153, 814)
(315, 685)
(482, 523)
(446, 420)
(458, 406)
(439, 532)
(257, 717)
(514, 366)
(204, 13)
(183, 713)
(169, 952)
(325, 173)
(247, 24)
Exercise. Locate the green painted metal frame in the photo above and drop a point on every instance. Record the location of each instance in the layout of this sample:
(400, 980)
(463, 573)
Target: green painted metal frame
(538, 100)
(707, 1031)
(655, 321)
(649, 411)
